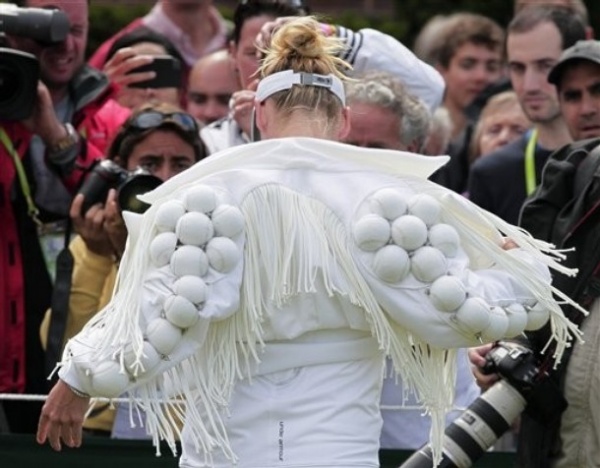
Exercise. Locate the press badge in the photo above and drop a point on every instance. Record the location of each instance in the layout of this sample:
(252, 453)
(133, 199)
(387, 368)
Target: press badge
(52, 241)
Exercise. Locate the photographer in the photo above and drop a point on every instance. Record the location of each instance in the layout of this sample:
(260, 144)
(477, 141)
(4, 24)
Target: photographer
(72, 119)
(137, 50)
(164, 141)
(559, 427)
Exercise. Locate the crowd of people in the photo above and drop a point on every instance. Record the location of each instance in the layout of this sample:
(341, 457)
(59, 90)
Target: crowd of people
(320, 196)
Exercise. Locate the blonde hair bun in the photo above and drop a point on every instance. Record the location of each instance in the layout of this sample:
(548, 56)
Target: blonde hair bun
(300, 45)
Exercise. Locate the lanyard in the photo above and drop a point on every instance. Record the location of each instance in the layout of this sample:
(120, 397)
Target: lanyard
(530, 179)
(32, 210)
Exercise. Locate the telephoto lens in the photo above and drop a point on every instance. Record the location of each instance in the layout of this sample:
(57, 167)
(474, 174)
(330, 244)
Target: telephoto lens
(137, 183)
(469, 436)
(106, 174)
(48, 26)
(19, 71)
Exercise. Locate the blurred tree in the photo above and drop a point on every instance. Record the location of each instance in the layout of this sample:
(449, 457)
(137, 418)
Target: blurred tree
(409, 17)
(105, 20)
(415, 13)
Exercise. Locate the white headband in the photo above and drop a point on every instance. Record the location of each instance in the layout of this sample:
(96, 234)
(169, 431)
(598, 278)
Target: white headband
(288, 78)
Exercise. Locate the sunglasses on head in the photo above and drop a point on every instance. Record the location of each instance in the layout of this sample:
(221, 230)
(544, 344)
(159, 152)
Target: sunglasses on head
(152, 119)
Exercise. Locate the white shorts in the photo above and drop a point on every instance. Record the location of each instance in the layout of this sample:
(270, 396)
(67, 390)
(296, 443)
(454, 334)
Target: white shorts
(316, 416)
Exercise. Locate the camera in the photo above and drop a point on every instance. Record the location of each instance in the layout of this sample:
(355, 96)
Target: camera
(106, 174)
(19, 71)
(470, 435)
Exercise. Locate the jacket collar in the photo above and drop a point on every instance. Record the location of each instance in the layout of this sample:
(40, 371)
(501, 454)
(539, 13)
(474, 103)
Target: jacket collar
(87, 86)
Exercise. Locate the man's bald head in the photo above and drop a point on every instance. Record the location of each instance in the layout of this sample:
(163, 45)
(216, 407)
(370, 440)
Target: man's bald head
(211, 83)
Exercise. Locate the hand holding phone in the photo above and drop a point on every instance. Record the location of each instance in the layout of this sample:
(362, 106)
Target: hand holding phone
(120, 67)
(168, 73)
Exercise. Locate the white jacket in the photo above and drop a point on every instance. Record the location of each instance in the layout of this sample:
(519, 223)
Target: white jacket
(369, 49)
(264, 243)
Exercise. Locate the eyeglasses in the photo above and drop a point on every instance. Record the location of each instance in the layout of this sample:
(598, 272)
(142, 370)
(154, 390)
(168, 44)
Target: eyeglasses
(203, 98)
(152, 119)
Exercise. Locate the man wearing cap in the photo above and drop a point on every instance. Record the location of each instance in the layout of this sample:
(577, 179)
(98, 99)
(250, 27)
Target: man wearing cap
(577, 80)
(564, 211)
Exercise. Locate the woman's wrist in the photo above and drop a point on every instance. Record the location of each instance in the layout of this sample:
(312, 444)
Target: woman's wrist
(76, 391)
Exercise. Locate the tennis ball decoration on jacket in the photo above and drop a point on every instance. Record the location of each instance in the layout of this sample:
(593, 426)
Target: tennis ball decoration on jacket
(197, 239)
(371, 232)
(108, 379)
(149, 359)
(404, 237)
(168, 214)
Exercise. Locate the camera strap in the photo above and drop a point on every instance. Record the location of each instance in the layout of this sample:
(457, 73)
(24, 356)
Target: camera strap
(61, 294)
(32, 210)
(59, 305)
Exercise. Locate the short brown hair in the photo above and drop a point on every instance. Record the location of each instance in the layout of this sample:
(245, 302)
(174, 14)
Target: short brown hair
(463, 28)
(576, 6)
(569, 24)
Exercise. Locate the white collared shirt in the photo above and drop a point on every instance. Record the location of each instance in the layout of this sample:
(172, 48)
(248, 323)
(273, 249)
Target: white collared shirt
(158, 21)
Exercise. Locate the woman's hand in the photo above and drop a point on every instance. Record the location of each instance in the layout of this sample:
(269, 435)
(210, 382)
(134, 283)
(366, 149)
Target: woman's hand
(263, 39)
(62, 416)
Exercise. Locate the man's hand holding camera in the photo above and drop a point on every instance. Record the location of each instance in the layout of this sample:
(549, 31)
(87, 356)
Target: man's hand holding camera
(477, 355)
(44, 123)
(120, 68)
(114, 226)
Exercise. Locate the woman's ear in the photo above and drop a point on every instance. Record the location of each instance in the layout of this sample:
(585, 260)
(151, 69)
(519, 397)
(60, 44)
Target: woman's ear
(260, 117)
(344, 129)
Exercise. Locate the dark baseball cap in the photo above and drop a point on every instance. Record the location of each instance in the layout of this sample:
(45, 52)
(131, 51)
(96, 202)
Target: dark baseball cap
(583, 50)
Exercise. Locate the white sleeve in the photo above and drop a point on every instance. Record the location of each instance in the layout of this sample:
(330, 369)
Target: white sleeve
(369, 49)
(165, 344)
(182, 273)
(458, 308)
(414, 249)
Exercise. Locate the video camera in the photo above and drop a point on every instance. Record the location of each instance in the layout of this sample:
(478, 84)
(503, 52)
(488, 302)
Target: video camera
(19, 71)
(106, 174)
(468, 437)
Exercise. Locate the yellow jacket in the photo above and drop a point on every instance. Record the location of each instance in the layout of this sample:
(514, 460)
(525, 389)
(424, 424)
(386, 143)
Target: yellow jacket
(92, 285)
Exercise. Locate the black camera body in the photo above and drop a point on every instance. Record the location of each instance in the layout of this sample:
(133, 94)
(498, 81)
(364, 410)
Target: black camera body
(515, 363)
(19, 71)
(106, 174)
(470, 435)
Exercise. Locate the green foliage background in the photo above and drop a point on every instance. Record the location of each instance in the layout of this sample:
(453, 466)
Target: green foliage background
(404, 24)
